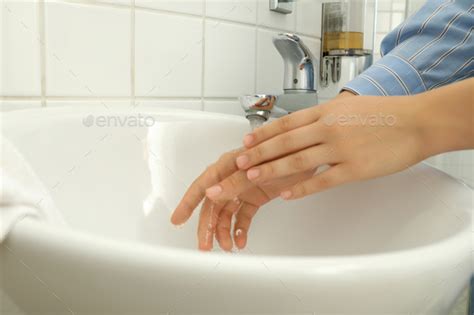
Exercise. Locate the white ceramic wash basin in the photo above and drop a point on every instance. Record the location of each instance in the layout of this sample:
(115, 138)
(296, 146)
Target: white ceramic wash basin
(395, 245)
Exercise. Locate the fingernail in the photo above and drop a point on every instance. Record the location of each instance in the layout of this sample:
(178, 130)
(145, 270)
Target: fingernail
(248, 139)
(253, 173)
(286, 194)
(178, 226)
(242, 161)
(238, 232)
(214, 191)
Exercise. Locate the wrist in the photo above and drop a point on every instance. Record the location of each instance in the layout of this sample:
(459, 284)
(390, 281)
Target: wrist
(441, 126)
(423, 123)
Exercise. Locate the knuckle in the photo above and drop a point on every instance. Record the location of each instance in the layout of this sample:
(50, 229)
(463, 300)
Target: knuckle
(197, 186)
(223, 223)
(213, 173)
(284, 123)
(325, 181)
(244, 220)
(302, 190)
(331, 128)
(187, 206)
(268, 170)
(257, 153)
(286, 142)
(259, 133)
(232, 181)
(208, 169)
(299, 161)
(224, 157)
(247, 216)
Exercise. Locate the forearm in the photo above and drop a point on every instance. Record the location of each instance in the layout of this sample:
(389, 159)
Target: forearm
(445, 118)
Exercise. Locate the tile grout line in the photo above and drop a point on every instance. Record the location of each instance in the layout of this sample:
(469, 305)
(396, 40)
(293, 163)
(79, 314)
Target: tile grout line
(116, 98)
(203, 53)
(42, 52)
(256, 49)
(295, 22)
(42, 21)
(184, 14)
(132, 53)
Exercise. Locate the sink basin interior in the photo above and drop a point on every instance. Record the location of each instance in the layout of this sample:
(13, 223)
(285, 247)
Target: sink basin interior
(123, 183)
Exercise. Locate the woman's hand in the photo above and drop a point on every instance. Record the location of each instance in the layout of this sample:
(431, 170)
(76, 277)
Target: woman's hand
(359, 137)
(216, 217)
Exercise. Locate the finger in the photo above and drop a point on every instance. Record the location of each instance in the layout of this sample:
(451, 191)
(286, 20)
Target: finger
(207, 224)
(230, 187)
(224, 167)
(242, 224)
(329, 178)
(295, 163)
(224, 222)
(280, 145)
(281, 125)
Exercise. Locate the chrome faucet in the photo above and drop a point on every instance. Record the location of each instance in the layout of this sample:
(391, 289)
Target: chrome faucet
(299, 86)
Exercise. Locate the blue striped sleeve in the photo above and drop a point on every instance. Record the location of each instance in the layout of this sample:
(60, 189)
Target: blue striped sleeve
(432, 48)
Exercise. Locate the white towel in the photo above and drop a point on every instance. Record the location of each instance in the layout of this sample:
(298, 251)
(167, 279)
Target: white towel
(22, 194)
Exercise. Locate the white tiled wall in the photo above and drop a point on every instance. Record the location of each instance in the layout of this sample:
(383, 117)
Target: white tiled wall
(198, 54)
(194, 54)
(390, 13)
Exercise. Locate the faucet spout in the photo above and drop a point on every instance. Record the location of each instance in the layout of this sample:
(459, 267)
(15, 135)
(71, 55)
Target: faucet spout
(298, 83)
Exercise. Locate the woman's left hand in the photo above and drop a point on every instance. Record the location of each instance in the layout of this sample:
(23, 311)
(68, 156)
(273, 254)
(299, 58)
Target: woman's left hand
(359, 137)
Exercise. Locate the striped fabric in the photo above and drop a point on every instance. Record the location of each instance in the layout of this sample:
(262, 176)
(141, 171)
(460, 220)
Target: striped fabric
(432, 48)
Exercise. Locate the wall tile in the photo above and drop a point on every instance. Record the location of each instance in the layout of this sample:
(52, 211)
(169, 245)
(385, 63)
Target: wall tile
(224, 107)
(269, 65)
(397, 19)
(314, 45)
(378, 41)
(384, 5)
(308, 20)
(88, 50)
(6, 106)
(273, 19)
(233, 10)
(20, 52)
(168, 63)
(414, 5)
(459, 164)
(398, 5)
(183, 6)
(230, 59)
(383, 22)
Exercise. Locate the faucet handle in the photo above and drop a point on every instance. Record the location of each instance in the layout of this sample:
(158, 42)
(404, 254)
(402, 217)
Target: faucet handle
(299, 63)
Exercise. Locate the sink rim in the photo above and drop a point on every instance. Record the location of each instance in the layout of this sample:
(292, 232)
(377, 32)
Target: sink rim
(38, 230)
(79, 110)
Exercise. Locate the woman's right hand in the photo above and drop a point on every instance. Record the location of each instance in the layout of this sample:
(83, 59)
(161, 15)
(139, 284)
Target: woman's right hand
(216, 217)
